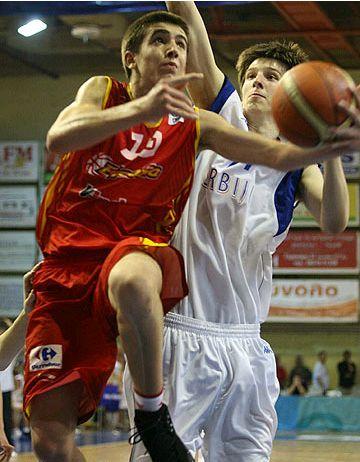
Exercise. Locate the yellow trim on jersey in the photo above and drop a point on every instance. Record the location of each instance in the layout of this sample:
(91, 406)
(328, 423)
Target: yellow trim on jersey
(130, 92)
(147, 241)
(198, 132)
(107, 92)
(50, 193)
(153, 125)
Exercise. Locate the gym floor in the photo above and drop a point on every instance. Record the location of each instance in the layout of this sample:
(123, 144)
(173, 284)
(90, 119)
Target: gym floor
(97, 447)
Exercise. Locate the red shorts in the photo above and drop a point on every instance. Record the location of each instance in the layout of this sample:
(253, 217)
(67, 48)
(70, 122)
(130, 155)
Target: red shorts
(72, 330)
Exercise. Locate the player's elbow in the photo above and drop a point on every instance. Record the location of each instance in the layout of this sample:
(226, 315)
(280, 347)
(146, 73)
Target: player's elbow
(336, 225)
(54, 143)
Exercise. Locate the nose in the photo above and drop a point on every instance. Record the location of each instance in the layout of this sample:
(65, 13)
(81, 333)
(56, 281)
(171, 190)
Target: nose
(258, 82)
(171, 51)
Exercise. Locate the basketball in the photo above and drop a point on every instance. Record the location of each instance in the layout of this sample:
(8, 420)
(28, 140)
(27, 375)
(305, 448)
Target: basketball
(305, 102)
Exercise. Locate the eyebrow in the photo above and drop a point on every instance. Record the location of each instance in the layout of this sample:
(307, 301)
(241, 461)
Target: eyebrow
(269, 68)
(164, 31)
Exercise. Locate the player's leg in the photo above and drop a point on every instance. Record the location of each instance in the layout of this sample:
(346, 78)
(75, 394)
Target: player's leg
(134, 291)
(245, 415)
(53, 420)
(188, 399)
(134, 288)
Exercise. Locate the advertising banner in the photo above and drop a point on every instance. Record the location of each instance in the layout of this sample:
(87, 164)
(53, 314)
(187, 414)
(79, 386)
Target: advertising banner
(351, 165)
(314, 300)
(11, 295)
(318, 252)
(19, 161)
(18, 206)
(17, 251)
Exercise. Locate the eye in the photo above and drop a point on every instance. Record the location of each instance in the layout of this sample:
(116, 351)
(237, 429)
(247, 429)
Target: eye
(181, 44)
(273, 77)
(158, 39)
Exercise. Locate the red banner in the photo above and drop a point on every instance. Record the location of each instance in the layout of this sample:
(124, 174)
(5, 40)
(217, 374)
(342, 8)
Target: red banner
(318, 252)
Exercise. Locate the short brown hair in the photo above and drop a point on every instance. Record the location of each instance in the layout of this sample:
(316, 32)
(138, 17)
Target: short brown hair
(135, 33)
(288, 53)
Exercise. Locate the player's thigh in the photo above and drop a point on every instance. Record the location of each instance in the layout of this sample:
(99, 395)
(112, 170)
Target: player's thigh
(243, 426)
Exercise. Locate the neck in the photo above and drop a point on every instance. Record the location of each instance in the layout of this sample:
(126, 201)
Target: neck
(263, 124)
(138, 88)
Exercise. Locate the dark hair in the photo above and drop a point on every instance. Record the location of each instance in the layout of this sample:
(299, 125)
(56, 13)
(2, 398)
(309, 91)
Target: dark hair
(135, 33)
(288, 53)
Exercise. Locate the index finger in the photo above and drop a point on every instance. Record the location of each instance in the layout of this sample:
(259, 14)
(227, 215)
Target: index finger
(183, 80)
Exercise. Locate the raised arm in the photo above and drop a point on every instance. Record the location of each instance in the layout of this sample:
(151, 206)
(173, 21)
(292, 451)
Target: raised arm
(326, 198)
(200, 55)
(251, 148)
(85, 123)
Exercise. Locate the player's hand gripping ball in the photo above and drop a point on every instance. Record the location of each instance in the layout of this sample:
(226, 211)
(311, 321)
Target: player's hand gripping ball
(305, 102)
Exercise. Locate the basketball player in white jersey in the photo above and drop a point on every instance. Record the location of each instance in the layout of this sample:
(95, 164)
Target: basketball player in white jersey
(219, 374)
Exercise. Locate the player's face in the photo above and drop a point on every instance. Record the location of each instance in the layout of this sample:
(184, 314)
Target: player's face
(163, 53)
(261, 79)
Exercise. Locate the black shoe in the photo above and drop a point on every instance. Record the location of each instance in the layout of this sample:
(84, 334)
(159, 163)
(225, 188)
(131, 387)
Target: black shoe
(156, 431)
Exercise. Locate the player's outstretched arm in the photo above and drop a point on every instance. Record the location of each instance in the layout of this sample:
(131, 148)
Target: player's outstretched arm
(200, 55)
(326, 197)
(13, 339)
(84, 123)
(249, 147)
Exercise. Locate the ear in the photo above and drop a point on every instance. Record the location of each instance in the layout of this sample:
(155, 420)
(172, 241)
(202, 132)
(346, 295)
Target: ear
(130, 59)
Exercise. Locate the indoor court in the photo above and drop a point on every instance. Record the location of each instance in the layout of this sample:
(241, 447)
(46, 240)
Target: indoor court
(284, 451)
(315, 291)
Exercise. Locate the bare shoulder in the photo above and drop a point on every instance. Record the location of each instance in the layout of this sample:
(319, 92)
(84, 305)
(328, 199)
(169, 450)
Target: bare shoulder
(311, 182)
(93, 90)
(311, 173)
(90, 96)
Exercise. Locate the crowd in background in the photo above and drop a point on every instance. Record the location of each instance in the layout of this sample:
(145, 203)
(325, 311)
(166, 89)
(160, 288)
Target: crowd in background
(301, 380)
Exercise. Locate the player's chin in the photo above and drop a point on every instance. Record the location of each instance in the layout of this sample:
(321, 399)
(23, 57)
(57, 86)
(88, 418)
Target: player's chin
(168, 73)
(257, 107)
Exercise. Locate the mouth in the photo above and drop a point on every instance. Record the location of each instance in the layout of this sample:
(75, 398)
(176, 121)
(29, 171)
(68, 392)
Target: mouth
(257, 95)
(169, 65)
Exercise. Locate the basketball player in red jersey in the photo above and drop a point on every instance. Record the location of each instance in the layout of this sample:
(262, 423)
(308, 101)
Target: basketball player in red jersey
(104, 226)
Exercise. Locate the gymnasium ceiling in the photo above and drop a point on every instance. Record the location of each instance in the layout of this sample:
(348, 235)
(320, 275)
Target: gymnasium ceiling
(326, 30)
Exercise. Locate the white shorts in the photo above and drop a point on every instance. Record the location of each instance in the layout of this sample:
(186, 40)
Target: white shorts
(220, 386)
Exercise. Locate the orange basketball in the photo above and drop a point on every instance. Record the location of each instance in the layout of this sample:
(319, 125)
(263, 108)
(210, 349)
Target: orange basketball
(304, 103)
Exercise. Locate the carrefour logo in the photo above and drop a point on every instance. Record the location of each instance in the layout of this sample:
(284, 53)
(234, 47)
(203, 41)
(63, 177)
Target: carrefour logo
(46, 357)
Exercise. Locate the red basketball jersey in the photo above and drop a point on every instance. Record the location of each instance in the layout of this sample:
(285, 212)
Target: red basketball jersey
(135, 183)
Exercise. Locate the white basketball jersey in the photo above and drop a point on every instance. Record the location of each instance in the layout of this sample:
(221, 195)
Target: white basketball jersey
(236, 216)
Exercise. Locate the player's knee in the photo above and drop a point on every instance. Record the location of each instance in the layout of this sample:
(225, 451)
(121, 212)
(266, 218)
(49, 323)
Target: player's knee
(131, 293)
(49, 449)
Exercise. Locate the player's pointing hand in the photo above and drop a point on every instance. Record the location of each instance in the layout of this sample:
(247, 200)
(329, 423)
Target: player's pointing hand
(168, 97)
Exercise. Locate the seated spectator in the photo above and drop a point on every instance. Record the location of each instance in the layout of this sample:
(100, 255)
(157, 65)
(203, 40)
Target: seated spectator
(280, 373)
(347, 373)
(297, 386)
(301, 370)
(321, 378)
